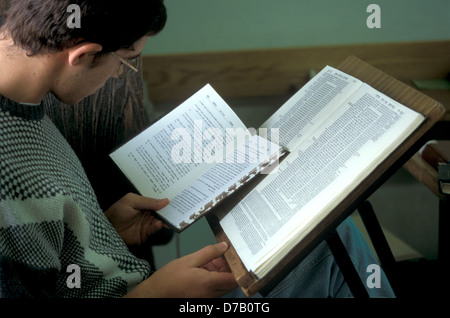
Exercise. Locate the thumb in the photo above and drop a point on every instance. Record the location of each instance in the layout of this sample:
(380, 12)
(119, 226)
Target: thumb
(144, 203)
(207, 254)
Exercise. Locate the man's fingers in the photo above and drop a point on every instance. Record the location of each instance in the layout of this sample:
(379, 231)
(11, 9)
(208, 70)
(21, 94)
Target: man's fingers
(144, 203)
(154, 226)
(207, 254)
(225, 282)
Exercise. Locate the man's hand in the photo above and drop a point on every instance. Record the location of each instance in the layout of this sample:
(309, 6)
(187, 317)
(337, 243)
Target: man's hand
(201, 274)
(132, 217)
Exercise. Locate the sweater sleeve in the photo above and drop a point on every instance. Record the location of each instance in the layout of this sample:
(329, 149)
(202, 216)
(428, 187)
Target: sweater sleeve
(50, 219)
(30, 244)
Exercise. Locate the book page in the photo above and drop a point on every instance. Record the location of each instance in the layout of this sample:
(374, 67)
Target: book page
(163, 159)
(220, 181)
(319, 173)
(311, 105)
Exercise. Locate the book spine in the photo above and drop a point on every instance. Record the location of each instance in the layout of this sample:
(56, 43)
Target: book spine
(264, 166)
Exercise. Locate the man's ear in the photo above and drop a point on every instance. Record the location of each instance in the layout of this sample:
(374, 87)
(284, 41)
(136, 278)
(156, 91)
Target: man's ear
(83, 53)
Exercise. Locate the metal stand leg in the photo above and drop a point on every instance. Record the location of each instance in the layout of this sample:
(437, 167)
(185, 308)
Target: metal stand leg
(444, 210)
(346, 266)
(373, 227)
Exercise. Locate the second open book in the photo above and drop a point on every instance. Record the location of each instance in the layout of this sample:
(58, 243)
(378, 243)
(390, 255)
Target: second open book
(333, 132)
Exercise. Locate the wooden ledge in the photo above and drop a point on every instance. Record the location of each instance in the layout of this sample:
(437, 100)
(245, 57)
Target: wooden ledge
(279, 72)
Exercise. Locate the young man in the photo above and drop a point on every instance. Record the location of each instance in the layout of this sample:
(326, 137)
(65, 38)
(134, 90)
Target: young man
(50, 222)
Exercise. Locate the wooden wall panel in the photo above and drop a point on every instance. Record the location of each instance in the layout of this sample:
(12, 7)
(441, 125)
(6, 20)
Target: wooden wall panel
(275, 72)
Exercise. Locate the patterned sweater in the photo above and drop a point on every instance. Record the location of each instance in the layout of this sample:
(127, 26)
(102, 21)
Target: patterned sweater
(50, 221)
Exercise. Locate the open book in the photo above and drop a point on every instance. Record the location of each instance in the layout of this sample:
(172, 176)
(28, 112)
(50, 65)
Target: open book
(337, 134)
(336, 128)
(196, 156)
(345, 138)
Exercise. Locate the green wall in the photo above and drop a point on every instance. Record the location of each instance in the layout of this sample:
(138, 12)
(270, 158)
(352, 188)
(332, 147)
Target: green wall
(223, 25)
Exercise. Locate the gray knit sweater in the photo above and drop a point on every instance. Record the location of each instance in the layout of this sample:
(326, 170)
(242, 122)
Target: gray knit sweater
(50, 218)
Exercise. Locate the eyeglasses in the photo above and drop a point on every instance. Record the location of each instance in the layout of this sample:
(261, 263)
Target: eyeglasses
(127, 66)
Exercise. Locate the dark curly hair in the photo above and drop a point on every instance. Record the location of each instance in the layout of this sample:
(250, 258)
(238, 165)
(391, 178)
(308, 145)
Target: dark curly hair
(40, 26)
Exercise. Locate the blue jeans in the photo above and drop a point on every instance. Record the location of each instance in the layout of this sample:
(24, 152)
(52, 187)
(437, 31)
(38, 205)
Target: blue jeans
(318, 275)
